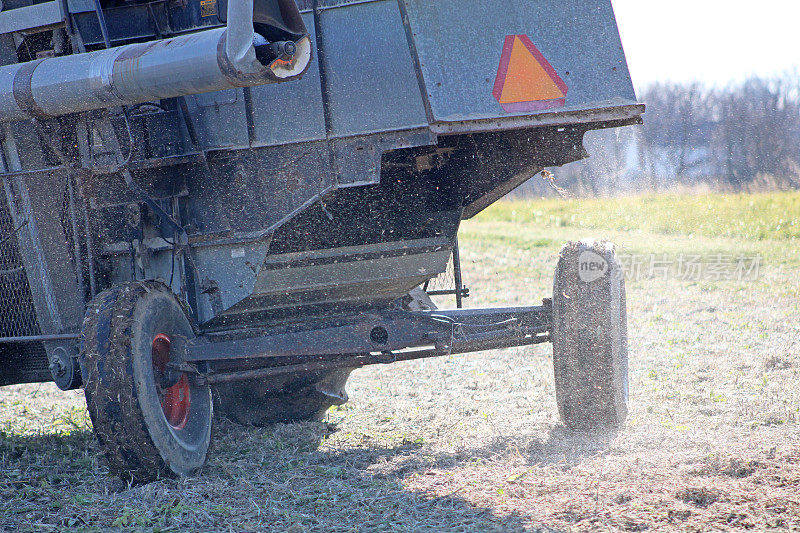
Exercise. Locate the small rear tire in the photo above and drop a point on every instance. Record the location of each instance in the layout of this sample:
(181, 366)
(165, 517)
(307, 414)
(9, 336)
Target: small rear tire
(147, 426)
(590, 338)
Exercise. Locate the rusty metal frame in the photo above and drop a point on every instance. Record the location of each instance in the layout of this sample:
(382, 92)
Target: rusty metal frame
(358, 340)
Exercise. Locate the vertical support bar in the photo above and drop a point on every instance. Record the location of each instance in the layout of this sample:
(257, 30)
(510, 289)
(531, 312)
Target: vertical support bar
(3, 161)
(457, 275)
(324, 84)
(183, 108)
(152, 18)
(102, 20)
(250, 115)
(323, 71)
(87, 229)
(76, 243)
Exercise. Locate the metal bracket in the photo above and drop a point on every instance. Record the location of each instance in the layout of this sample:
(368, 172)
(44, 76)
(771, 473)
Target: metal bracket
(460, 291)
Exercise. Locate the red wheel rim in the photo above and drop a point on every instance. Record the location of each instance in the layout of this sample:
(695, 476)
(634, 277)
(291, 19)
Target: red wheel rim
(175, 400)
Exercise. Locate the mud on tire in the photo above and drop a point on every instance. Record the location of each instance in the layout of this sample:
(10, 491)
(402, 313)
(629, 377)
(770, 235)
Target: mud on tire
(590, 339)
(146, 428)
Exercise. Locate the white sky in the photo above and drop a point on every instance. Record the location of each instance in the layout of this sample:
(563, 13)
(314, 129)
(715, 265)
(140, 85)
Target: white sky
(712, 41)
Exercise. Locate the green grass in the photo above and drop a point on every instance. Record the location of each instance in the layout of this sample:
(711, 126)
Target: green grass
(759, 217)
(763, 225)
(472, 442)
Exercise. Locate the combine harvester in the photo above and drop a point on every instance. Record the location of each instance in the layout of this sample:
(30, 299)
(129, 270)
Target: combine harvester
(229, 206)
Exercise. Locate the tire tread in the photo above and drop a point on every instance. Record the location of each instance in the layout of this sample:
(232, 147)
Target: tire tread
(111, 396)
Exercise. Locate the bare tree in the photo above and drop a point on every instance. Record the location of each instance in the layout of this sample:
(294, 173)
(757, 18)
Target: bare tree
(676, 129)
(757, 132)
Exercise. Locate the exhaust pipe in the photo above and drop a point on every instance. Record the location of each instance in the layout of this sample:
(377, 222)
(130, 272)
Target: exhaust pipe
(206, 61)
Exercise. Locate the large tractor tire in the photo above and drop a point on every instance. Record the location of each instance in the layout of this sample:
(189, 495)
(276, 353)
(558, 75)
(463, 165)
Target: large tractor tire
(590, 339)
(148, 426)
(293, 399)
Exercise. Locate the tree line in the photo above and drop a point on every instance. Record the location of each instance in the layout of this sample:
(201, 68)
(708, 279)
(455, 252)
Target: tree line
(742, 137)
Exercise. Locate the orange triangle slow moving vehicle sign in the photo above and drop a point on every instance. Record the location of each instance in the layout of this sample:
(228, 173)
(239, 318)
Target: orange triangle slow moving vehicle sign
(525, 79)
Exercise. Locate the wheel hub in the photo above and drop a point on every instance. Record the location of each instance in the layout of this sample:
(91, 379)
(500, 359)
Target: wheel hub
(176, 399)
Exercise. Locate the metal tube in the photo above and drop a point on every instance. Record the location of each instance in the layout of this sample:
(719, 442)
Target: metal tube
(358, 361)
(40, 338)
(206, 61)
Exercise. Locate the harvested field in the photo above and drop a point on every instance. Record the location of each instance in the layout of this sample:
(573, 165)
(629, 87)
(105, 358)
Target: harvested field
(473, 443)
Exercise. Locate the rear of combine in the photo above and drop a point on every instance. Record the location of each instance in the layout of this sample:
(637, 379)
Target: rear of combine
(232, 205)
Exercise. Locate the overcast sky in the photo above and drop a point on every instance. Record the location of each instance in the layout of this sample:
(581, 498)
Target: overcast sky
(712, 41)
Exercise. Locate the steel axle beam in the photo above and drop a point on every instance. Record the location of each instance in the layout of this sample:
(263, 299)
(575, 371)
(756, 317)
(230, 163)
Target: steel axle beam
(356, 341)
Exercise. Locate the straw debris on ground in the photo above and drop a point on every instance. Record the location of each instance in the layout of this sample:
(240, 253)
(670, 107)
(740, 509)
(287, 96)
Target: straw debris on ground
(473, 443)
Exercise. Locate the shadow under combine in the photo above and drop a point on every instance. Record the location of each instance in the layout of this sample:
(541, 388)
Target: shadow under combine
(268, 479)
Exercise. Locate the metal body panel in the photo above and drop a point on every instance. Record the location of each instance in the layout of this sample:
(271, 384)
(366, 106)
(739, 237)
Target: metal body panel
(460, 42)
(233, 196)
(35, 17)
(361, 276)
(228, 273)
(220, 119)
(78, 6)
(145, 21)
(293, 112)
(357, 159)
(371, 82)
(279, 113)
(356, 269)
(57, 293)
